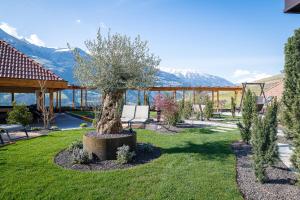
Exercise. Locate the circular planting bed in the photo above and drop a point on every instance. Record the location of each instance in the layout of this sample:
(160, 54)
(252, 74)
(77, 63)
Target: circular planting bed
(104, 147)
(281, 183)
(65, 160)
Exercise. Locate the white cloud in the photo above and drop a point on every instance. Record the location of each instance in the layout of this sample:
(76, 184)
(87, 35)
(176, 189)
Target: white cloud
(242, 75)
(78, 21)
(10, 30)
(34, 39)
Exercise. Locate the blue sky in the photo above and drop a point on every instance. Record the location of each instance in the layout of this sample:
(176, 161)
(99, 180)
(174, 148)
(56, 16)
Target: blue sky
(236, 39)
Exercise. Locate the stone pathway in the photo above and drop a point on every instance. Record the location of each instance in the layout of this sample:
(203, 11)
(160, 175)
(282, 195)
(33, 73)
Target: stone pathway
(67, 122)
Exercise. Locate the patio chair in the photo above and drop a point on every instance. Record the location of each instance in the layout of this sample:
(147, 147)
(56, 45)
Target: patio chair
(196, 108)
(5, 129)
(128, 113)
(141, 115)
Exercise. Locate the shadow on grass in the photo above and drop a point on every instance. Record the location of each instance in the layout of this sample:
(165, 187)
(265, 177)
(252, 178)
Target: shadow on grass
(199, 131)
(218, 150)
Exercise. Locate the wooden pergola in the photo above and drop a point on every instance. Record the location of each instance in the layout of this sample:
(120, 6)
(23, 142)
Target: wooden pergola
(197, 89)
(21, 74)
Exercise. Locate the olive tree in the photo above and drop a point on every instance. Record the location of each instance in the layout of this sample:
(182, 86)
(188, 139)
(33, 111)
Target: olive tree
(115, 63)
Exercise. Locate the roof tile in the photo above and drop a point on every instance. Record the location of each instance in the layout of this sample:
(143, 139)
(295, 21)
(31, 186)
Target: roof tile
(14, 64)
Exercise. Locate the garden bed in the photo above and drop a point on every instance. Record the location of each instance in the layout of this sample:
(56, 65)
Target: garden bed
(64, 159)
(280, 185)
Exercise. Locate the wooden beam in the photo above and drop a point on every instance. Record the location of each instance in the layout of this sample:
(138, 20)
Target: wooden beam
(27, 83)
(194, 88)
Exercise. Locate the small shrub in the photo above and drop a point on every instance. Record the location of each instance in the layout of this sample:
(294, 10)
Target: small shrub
(124, 155)
(54, 128)
(19, 115)
(208, 110)
(169, 109)
(75, 145)
(35, 128)
(187, 110)
(198, 115)
(248, 111)
(83, 125)
(80, 156)
(146, 147)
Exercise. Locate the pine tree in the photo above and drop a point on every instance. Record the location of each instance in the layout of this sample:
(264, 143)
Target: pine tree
(233, 107)
(249, 109)
(270, 125)
(291, 95)
(208, 109)
(257, 141)
(263, 141)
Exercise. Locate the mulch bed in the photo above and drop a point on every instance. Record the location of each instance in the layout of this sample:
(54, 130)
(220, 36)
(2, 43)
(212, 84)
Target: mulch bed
(64, 159)
(281, 183)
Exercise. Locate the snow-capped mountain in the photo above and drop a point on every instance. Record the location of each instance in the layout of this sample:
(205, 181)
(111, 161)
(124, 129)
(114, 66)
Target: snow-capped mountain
(61, 62)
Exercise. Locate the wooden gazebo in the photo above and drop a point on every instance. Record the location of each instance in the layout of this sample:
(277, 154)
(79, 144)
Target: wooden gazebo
(21, 74)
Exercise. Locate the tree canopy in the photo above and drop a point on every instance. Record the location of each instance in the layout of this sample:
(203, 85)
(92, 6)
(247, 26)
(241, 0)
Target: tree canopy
(116, 62)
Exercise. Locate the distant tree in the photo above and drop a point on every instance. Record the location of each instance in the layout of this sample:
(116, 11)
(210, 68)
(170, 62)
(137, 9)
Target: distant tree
(233, 107)
(187, 110)
(249, 109)
(115, 63)
(263, 141)
(208, 109)
(19, 115)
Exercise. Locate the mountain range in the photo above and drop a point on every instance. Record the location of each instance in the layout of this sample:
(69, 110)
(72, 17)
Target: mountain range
(61, 62)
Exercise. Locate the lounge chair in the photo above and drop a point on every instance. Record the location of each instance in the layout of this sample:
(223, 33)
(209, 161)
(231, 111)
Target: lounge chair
(196, 108)
(5, 129)
(128, 113)
(141, 115)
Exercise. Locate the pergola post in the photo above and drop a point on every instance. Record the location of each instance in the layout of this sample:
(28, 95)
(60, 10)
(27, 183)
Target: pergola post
(213, 97)
(59, 101)
(12, 97)
(183, 96)
(145, 98)
(73, 99)
(56, 101)
(138, 98)
(194, 98)
(218, 101)
(174, 95)
(235, 95)
(125, 97)
(51, 103)
(86, 98)
(81, 99)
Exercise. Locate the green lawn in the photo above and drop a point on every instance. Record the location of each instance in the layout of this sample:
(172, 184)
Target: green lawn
(195, 164)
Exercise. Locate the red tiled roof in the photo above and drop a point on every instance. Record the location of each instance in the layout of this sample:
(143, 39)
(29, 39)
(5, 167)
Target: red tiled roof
(15, 64)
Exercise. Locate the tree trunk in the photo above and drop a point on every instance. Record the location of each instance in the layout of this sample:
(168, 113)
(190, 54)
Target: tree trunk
(110, 122)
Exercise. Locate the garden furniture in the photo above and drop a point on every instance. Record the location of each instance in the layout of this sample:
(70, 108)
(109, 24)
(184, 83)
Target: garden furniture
(5, 129)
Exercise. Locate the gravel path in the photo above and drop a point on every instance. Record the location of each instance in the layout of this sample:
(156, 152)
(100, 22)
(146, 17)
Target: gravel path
(281, 184)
